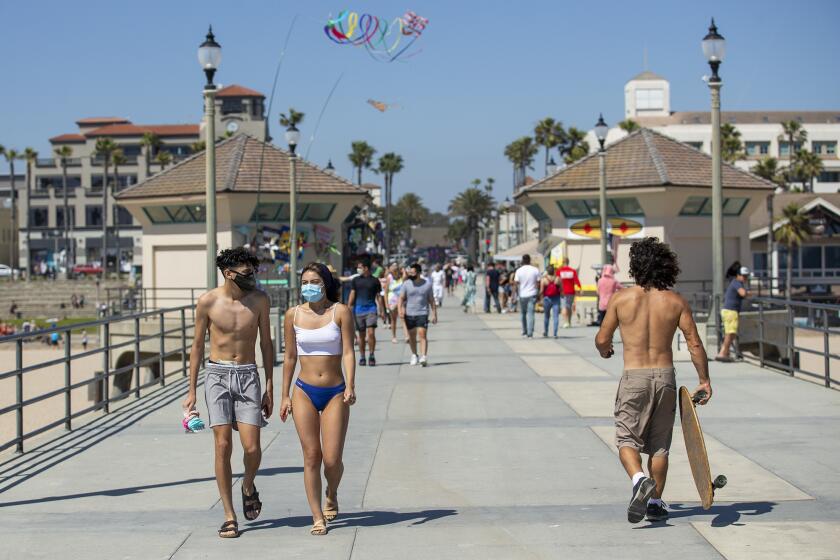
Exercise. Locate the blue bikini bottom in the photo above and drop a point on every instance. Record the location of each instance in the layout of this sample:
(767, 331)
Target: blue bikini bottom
(320, 396)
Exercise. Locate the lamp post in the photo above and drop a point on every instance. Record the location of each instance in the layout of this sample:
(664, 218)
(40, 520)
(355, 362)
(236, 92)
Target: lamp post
(601, 130)
(329, 166)
(507, 221)
(292, 137)
(714, 48)
(210, 56)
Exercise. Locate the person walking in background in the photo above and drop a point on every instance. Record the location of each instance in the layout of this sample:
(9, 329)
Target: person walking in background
(732, 302)
(607, 286)
(396, 277)
(570, 283)
(366, 302)
(415, 299)
(526, 281)
(504, 286)
(550, 294)
(84, 339)
(491, 287)
(438, 281)
(469, 290)
(449, 280)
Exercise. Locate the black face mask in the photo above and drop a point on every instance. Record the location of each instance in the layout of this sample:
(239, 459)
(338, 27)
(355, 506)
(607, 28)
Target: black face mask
(246, 283)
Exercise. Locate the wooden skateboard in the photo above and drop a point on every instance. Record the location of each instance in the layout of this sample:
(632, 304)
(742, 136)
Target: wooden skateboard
(695, 447)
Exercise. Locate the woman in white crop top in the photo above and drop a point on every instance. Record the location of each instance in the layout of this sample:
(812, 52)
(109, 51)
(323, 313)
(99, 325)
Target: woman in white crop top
(319, 333)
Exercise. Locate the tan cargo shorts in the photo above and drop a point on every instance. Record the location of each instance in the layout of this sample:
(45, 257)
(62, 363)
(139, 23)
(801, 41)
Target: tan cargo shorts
(645, 406)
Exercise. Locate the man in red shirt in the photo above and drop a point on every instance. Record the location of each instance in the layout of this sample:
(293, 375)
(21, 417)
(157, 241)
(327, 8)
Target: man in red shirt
(569, 279)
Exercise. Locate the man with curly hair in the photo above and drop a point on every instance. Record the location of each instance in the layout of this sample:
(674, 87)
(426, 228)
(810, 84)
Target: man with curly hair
(648, 315)
(234, 313)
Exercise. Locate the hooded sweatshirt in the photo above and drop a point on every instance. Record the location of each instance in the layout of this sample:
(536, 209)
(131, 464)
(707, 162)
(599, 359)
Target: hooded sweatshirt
(607, 286)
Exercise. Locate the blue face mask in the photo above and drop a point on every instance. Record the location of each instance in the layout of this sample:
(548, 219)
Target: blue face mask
(312, 292)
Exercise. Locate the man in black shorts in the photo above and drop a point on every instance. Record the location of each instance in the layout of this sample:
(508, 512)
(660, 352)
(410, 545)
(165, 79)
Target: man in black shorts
(366, 302)
(416, 297)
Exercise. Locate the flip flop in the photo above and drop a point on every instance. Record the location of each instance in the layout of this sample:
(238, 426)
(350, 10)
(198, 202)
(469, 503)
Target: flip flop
(331, 513)
(251, 504)
(319, 528)
(227, 528)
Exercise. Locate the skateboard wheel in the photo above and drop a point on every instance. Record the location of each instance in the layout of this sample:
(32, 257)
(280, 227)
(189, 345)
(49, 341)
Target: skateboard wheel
(719, 482)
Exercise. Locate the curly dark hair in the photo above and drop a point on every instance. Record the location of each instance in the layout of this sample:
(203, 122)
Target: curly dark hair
(653, 264)
(332, 287)
(229, 258)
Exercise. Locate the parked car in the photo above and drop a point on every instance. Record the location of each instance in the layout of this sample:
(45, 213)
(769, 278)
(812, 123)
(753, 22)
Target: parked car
(87, 269)
(5, 271)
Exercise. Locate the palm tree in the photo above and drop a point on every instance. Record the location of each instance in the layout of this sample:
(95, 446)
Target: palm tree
(198, 146)
(768, 168)
(795, 133)
(11, 156)
(808, 167)
(294, 118)
(629, 125)
(731, 148)
(64, 153)
(792, 234)
(104, 148)
(164, 158)
(457, 231)
(575, 147)
(389, 165)
(361, 157)
(549, 134)
(411, 211)
(521, 153)
(151, 143)
(474, 205)
(31, 157)
(118, 158)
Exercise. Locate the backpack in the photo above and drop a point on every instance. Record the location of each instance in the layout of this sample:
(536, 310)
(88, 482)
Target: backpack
(552, 289)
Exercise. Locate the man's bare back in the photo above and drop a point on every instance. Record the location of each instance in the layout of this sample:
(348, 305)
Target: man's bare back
(233, 323)
(648, 320)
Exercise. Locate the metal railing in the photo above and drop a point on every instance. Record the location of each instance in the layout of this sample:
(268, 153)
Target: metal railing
(796, 337)
(147, 340)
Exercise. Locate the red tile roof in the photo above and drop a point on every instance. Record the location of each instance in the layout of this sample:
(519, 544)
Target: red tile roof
(646, 158)
(138, 130)
(68, 139)
(234, 90)
(101, 120)
(238, 170)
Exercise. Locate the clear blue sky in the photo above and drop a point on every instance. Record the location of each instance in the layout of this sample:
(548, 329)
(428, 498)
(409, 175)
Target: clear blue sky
(488, 71)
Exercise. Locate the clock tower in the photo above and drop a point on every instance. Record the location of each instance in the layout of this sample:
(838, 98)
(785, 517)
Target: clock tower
(239, 110)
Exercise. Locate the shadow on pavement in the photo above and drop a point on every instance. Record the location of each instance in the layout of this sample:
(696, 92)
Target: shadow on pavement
(357, 519)
(724, 515)
(118, 492)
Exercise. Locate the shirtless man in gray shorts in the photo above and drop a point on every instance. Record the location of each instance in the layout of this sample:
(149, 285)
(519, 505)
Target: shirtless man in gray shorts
(234, 313)
(648, 315)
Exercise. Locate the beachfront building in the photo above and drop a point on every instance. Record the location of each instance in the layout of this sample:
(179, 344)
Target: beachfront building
(647, 101)
(656, 186)
(252, 186)
(816, 264)
(238, 109)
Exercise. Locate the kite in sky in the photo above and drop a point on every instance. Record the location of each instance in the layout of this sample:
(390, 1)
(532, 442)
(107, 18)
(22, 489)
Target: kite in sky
(382, 40)
(381, 106)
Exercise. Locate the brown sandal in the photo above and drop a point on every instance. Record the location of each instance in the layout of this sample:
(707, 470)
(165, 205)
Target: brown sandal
(229, 530)
(330, 512)
(319, 528)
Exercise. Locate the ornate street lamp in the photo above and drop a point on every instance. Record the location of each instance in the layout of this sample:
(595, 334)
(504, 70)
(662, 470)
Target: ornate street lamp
(714, 48)
(601, 130)
(330, 166)
(210, 57)
(292, 138)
